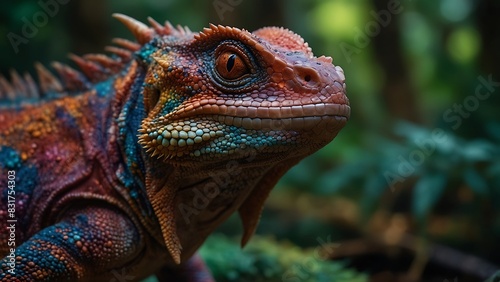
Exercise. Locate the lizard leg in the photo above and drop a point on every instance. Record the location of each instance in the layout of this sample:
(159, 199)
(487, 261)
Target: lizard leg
(86, 242)
(194, 270)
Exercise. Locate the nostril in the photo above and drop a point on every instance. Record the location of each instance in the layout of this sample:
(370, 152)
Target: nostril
(307, 76)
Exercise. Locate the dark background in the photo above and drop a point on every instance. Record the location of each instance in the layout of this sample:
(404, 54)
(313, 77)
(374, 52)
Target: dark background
(410, 189)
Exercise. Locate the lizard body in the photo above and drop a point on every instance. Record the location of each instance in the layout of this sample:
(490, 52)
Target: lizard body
(127, 165)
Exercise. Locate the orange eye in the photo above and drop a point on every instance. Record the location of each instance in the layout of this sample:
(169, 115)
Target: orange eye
(230, 66)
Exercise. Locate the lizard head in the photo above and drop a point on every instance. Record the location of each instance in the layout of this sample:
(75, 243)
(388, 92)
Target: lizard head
(226, 93)
(232, 111)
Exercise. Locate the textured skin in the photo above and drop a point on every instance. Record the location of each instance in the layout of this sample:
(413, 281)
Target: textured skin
(121, 170)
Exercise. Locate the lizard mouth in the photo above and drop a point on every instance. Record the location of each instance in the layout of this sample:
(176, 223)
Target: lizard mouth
(207, 128)
(295, 117)
(294, 123)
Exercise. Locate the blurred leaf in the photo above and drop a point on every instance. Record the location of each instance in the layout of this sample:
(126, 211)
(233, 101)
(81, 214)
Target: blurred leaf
(348, 14)
(374, 187)
(464, 44)
(335, 180)
(493, 129)
(426, 193)
(455, 10)
(478, 150)
(475, 181)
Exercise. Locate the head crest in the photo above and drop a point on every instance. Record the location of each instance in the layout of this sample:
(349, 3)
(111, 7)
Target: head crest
(284, 38)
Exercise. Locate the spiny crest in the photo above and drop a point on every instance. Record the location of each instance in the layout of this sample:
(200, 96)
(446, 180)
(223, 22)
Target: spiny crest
(209, 32)
(70, 76)
(19, 87)
(93, 67)
(168, 28)
(215, 33)
(48, 82)
(143, 33)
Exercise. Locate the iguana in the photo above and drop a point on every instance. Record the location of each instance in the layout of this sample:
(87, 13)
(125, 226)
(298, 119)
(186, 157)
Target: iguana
(124, 167)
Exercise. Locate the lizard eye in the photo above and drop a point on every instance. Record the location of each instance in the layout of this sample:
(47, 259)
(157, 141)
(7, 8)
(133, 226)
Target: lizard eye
(230, 66)
(233, 67)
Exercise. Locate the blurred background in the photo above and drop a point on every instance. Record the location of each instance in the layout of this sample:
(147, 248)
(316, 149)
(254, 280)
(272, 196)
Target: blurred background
(408, 191)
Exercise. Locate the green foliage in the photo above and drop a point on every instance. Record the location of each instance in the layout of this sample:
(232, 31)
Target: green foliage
(267, 260)
(426, 193)
(431, 162)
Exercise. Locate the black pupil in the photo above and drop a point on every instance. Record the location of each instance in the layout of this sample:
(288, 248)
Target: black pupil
(230, 62)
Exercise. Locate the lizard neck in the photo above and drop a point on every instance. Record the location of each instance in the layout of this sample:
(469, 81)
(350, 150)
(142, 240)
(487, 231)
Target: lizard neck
(128, 109)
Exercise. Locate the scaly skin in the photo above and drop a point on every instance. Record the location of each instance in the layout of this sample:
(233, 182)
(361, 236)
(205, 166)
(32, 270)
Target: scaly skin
(122, 171)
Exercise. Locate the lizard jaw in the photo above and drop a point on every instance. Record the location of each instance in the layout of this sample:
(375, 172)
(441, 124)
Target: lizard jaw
(181, 139)
(259, 112)
(196, 123)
